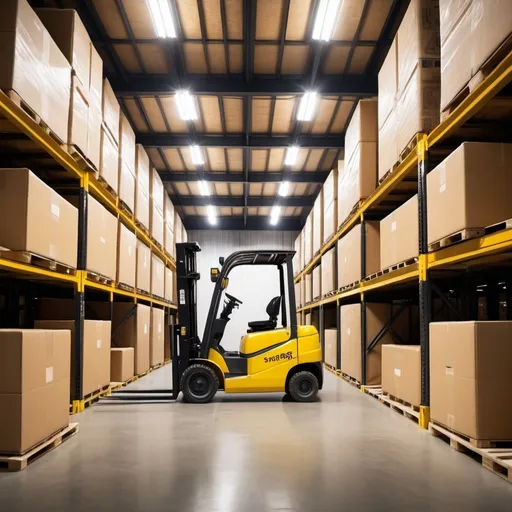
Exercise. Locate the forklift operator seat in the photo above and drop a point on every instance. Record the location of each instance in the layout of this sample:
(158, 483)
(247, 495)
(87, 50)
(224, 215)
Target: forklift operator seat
(271, 323)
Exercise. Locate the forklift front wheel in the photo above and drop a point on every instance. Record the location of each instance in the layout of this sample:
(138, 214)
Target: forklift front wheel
(199, 384)
(303, 387)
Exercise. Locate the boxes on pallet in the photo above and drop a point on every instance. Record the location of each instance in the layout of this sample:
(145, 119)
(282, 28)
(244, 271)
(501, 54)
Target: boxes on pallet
(143, 277)
(308, 239)
(157, 191)
(34, 386)
(317, 282)
(388, 86)
(40, 220)
(331, 347)
(388, 144)
(297, 259)
(156, 340)
(126, 256)
(156, 222)
(157, 276)
(308, 288)
(399, 240)
(169, 225)
(471, 31)
(362, 127)
(461, 196)
(178, 228)
(96, 351)
(377, 315)
(142, 186)
(349, 254)
(401, 372)
(132, 330)
(469, 368)
(169, 241)
(318, 223)
(26, 46)
(122, 364)
(330, 197)
(109, 160)
(169, 285)
(111, 111)
(126, 184)
(95, 108)
(329, 272)
(298, 297)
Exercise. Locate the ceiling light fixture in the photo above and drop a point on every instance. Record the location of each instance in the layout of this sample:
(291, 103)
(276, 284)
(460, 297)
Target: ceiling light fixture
(284, 188)
(292, 153)
(325, 20)
(162, 18)
(204, 188)
(274, 215)
(195, 153)
(307, 106)
(186, 105)
(212, 214)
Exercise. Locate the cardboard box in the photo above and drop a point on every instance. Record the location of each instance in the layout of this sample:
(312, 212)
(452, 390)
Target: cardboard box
(178, 229)
(169, 285)
(330, 191)
(111, 111)
(95, 109)
(399, 239)
(126, 143)
(318, 223)
(126, 187)
(329, 272)
(401, 372)
(350, 329)
(122, 364)
(308, 288)
(388, 145)
(109, 160)
(34, 386)
(142, 206)
(388, 84)
(297, 259)
(157, 225)
(143, 277)
(331, 347)
(25, 46)
(308, 239)
(307, 319)
(156, 340)
(157, 192)
(362, 127)
(157, 276)
(169, 240)
(126, 256)
(78, 116)
(469, 366)
(317, 282)
(349, 254)
(40, 220)
(142, 169)
(461, 196)
(298, 297)
(358, 180)
(134, 332)
(96, 351)
(418, 38)
(168, 212)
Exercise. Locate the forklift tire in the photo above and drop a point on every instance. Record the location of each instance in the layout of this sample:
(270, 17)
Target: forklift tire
(303, 387)
(199, 384)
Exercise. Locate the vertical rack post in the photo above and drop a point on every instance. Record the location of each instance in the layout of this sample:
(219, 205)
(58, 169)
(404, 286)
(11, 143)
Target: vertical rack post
(425, 291)
(363, 304)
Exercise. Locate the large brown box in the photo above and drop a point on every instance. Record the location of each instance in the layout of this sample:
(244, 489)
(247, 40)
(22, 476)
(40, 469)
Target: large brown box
(318, 223)
(168, 212)
(308, 239)
(156, 340)
(169, 285)
(298, 294)
(78, 116)
(143, 277)
(388, 84)
(399, 239)
(401, 372)
(178, 228)
(362, 127)
(330, 198)
(142, 186)
(33, 65)
(134, 332)
(95, 112)
(329, 271)
(331, 347)
(169, 240)
(377, 315)
(469, 189)
(40, 221)
(297, 259)
(308, 288)
(126, 256)
(111, 111)
(469, 368)
(349, 254)
(109, 160)
(157, 192)
(317, 282)
(388, 144)
(96, 353)
(157, 225)
(122, 364)
(34, 386)
(157, 276)
(127, 178)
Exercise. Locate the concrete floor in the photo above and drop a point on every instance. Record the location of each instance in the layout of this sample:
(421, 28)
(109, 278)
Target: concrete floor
(253, 454)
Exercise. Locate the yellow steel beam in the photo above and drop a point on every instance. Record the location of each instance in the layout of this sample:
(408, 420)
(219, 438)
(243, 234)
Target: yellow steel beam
(397, 276)
(33, 271)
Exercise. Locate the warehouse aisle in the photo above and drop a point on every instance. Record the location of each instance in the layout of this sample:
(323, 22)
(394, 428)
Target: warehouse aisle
(347, 452)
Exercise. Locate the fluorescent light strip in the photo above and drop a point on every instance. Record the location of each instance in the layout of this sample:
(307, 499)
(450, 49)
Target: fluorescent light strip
(196, 155)
(284, 188)
(204, 188)
(307, 107)
(292, 153)
(274, 215)
(325, 20)
(162, 18)
(186, 106)
(212, 214)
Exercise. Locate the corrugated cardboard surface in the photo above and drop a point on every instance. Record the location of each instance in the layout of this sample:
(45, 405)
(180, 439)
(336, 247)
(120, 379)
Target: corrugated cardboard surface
(349, 254)
(122, 364)
(143, 277)
(78, 116)
(318, 223)
(401, 372)
(330, 192)
(317, 281)
(169, 285)
(308, 239)
(157, 276)
(308, 285)
(142, 206)
(388, 144)
(126, 255)
(126, 186)
(95, 108)
(96, 351)
(126, 144)
(328, 272)
(399, 240)
(156, 342)
(168, 212)
(157, 192)
(157, 225)
(40, 220)
(142, 168)
(34, 386)
(330, 337)
(169, 240)
(109, 159)
(111, 111)
(469, 189)
(297, 259)
(134, 332)
(298, 297)
(469, 369)
(388, 83)
(362, 127)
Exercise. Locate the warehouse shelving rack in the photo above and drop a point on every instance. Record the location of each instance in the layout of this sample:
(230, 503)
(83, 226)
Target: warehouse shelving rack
(464, 255)
(18, 123)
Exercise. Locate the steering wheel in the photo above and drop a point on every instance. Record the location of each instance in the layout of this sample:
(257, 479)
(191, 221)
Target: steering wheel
(233, 299)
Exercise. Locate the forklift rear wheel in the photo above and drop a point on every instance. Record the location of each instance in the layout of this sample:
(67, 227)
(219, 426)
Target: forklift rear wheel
(303, 387)
(199, 384)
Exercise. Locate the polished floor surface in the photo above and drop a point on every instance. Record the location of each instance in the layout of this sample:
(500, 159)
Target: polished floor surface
(346, 452)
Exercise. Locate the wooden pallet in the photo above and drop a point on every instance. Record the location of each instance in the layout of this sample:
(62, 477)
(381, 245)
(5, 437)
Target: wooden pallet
(410, 146)
(30, 258)
(143, 228)
(126, 287)
(125, 208)
(347, 287)
(93, 397)
(401, 406)
(94, 276)
(499, 226)
(157, 297)
(78, 156)
(457, 237)
(496, 459)
(352, 211)
(20, 462)
(388, 270)
(477, 443)
(350, 380)
(107, 186)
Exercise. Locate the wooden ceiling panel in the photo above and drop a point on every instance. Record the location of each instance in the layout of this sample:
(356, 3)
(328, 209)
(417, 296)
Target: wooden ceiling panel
(219, 189)
(265, 58)
(301, 159)
(276, 160)
(176, 124)
(298, 16)
(255, 189)
(263, 211)
(186, 189)
(110, 18)
(189, 18)
(156, 159)
(235, 55)
(360, 59)
(174, 160)
(252, 211)
(237, 189)
(330, 161)
(187, 157)
(194, 58)
(283, 115)
(153, 58)
(136, 116)
(260, 114)
(154, 114)
(216, 158)
(340, 120)
(313, 160)
(375, 19)
(234, 19)
(295, 59)
(233, 113)
(235, 159)
(238, 210)
(336, 59)
(216, 58)
(258, 160)
(298, 189)
(348, 19)
(189, 210)
(323, 116)
(210, 113)
(139, 18)
(213, 20)
(268, 19)
(128, 58)
(269, 189)
(225, 211)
